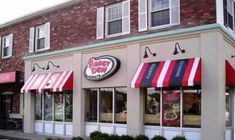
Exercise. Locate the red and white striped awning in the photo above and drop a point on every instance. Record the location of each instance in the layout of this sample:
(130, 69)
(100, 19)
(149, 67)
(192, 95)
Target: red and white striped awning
(56, 82)
(170, 73)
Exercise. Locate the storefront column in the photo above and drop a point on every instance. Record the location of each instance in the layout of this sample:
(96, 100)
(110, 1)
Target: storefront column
(78, 98)
(135, 106)
(28, 104)
(213, 86)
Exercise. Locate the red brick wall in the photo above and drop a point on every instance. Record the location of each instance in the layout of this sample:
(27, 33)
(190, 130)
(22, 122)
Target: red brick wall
(76, 25)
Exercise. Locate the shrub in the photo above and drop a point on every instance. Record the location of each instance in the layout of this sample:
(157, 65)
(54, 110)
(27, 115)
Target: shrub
(59, 139)
(158, 138)
(179, 138)
(114, 137)
(77, 138)
(94, 134)
(48, 138)
(126, 137)
(141, 137)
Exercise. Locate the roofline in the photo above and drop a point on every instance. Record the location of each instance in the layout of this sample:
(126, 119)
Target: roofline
(39, 12)
(136, 38)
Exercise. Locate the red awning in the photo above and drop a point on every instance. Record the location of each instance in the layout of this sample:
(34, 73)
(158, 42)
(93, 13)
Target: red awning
(56, 82)
(184, 72)
(230, 73)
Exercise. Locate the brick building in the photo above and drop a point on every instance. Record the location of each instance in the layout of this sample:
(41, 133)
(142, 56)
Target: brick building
(69, 35)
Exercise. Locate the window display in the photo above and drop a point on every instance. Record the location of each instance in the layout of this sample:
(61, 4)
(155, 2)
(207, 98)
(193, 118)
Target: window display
(171, 108)
(91, 105)
(59, 107)
(106, 105)
(48, 106)
(120, 105)
(38, 106)
(228, 109)
(152, 107)
(191, 108)
(68, 106)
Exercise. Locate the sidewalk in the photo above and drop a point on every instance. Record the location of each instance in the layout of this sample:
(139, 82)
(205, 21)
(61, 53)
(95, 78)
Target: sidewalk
(19, 135)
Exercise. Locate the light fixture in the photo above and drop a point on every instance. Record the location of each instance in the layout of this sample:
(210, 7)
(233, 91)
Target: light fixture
(177, 46)
(232, 56)
(48, 65)
(146, 53)
(36, 64)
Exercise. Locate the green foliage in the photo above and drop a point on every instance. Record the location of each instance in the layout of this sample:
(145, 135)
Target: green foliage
(126, 137)
(48, 138)
(59, 139)
(77, 138)
(179, 138)
(95, 134)
(141, 137)
(114, 137)
(158, 138)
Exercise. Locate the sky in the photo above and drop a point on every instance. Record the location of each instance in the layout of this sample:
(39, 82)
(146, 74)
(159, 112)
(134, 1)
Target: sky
(12, 9)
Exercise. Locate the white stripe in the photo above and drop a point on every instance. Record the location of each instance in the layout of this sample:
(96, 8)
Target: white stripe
(193, 72)
(44, 82)
(136, 75)
(65, 80)
(58, 82)
(31, 82)
(163, 73)
(26, 84)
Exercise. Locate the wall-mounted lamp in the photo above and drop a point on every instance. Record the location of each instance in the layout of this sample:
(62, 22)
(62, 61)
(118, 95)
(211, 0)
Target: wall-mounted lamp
(146, 53)
(36, 64)
(232, 56)
(48, 65)
(177, 46)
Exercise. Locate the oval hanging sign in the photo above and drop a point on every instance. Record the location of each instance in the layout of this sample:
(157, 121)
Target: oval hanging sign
(102, 67)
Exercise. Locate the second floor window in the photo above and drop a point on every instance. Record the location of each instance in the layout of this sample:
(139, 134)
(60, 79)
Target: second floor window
(39, 39)
(158, 13)
(229, 19)
(113, 20)
(7, 43)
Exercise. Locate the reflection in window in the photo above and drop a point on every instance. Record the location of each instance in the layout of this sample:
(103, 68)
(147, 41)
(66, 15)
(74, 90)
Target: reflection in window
(228, 113)
(68, 106)
(191, 108)
(171, 108)
(91, 105)
(152, 107)
(106, 105)
(120, 105)
(48, 106)
(38, 106)
(59, 110)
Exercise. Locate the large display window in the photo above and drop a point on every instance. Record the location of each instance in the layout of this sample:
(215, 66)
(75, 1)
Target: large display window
(173, 108)
(228, 107)
(106, 105)
(54, 106)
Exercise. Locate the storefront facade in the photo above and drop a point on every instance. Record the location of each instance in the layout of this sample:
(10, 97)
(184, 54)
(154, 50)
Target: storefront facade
(113, 97)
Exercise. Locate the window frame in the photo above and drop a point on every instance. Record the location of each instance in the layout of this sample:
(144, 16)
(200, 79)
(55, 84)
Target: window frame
(150, 19)
(106, 19)
(226, 21)
(3, 46)
(36, 34)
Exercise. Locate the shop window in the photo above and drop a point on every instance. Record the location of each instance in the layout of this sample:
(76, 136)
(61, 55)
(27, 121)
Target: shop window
(7, 44)
(111, 108)
(38, 106)
(228, 109)
(48, 106)
(15, 104)
(91, 105)
(192, 108)
(120, 105)
(171, 108)
(106, 105)
(152, 107)
(39, 38)
(59, 107)
(68, 106)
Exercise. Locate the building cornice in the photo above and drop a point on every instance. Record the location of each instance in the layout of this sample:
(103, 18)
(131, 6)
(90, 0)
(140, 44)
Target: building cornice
(139, 38)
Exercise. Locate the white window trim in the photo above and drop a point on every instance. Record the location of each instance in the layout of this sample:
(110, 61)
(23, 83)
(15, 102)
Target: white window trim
(106, 20)
(8, 56)
(150, 19)
(36, 38)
